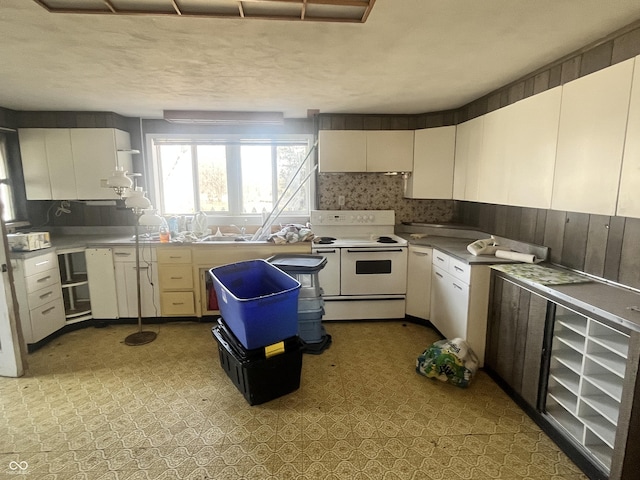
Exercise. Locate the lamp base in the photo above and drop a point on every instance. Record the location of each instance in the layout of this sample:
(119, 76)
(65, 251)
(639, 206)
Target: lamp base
(140, 338)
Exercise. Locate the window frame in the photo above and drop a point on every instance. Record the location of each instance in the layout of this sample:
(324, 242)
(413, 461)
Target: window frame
(155, 186)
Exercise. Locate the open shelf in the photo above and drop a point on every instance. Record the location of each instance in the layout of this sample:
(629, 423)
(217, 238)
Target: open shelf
(75, 285)
(586, 375)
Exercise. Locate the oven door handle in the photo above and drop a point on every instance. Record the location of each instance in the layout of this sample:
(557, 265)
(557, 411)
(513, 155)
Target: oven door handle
(372, 250)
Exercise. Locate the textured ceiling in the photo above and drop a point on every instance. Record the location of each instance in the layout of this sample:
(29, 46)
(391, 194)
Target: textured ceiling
(411, 56)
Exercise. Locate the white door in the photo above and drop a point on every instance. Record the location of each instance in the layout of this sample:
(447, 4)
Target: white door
(11, 361)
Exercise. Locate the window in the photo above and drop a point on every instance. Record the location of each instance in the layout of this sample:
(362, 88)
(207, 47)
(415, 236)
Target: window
(232, 176)
(6, 191)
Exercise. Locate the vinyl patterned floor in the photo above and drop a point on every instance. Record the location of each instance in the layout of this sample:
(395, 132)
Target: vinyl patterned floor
(92, 408)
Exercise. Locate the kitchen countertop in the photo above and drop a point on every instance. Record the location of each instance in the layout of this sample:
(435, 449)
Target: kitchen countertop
(63, 243)
(618, 304)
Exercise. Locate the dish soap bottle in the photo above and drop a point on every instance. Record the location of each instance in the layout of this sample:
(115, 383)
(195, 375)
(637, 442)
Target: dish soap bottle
(165, 237)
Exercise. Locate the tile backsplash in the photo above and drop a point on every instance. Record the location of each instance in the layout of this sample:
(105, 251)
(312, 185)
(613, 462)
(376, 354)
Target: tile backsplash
(375, 191)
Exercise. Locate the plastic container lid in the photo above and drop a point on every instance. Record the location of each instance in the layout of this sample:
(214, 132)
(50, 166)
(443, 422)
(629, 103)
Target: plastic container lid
(298, 263)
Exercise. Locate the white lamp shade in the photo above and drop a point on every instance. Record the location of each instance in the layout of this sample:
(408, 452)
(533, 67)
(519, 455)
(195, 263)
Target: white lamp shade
(150, 218)
(119, 179)
(137, 200)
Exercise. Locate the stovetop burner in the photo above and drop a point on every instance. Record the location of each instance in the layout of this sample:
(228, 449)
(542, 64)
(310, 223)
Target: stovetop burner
(325, 240)
(386, 240)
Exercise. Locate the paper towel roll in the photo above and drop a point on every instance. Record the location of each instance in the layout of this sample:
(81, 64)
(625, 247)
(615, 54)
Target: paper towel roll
(521, 257)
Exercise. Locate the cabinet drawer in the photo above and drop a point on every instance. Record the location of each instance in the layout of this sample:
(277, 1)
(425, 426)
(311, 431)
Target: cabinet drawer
(128, 254)
(40, 263)
(460, 270)
(44, 295)
(177, 303)
(176, 277)
(47, 319)
(42, 280)
(441, 260)
(174, 255)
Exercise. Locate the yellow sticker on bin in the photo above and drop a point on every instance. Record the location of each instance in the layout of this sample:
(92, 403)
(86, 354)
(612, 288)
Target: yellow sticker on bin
(275, 349)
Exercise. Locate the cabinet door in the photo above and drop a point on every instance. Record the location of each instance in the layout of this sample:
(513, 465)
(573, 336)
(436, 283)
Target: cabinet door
(531, 149)
(419, 282)
(628, 198)
(60, 161)
(102, 283)
(467, 157)
(515, 336)
(126, 286)
(433, 157)
(35, 168)
(342, 151)
(95, 156)
(494, 166)
(389, 150)
(593, 120)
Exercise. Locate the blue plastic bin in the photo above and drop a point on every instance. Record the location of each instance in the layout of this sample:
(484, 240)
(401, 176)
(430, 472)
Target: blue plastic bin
(259, 302)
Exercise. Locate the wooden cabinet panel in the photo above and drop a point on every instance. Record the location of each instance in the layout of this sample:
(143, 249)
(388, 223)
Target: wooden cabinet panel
(433, 158)
(593, 119)
(515, 336)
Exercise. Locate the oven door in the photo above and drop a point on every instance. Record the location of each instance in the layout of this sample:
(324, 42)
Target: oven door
(329, 276)
(373, 271)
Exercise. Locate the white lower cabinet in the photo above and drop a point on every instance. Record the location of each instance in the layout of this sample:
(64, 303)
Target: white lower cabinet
(586, 375)
(102, 283)
(124, 260)
(419, 281)
(459, 300)
(39, 294)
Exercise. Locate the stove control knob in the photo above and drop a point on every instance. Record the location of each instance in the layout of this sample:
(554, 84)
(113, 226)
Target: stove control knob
(359, 218)
(371, 217)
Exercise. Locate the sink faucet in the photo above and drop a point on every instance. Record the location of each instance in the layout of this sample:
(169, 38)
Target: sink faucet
(242, 230)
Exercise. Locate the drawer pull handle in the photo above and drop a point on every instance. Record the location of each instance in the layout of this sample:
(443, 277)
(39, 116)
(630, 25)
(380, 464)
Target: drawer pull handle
(171, 256)
(457, 286)
(44, 262)
(142, 268)
(458, 268)
(326, 251)
(421, 254)
(45, 295)
(122, 254)
(440, 258)
(177, 303)
(44, 312)
(176, 278)
(43, 279)
(438, 275)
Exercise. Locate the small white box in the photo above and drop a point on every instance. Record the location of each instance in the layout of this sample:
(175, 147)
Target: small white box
(26, 242)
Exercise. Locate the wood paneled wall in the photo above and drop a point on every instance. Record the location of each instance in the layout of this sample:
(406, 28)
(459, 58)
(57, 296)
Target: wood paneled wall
(608, 247)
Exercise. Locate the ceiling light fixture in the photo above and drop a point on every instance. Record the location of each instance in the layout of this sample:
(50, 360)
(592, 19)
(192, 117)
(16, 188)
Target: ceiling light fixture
(349, 11)
(209, 117)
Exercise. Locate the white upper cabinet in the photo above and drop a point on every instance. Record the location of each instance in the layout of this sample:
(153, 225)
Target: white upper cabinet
(493, 164)
(531, 142)
(467, 157)
(629, 196)
(69, 164)
(95, 156)
(365, 150)
(389, 150)
(342, 151)
(593, 120)
(433, 157)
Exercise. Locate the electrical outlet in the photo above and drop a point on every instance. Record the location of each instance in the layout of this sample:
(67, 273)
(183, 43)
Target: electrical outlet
(341, 200)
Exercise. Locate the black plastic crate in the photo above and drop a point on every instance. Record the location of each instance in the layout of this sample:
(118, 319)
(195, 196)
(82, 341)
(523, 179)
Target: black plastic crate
(257, 377)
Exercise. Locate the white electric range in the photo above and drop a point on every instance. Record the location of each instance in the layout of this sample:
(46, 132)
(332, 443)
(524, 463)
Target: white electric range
(366, 272)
